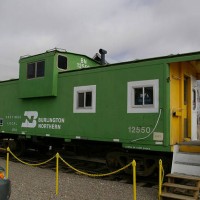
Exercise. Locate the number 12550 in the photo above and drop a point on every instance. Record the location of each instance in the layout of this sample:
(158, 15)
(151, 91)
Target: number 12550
(139, 129)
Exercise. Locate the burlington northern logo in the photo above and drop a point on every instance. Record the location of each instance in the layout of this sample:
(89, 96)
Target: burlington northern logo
(30, 121)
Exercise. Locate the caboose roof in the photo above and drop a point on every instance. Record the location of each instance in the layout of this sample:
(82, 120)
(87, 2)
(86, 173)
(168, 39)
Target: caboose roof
(54, 51)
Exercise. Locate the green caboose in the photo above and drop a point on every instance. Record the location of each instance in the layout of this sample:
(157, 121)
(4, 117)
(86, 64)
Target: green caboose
(137, 109)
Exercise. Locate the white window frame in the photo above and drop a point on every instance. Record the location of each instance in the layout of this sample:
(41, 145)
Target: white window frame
(151, 108)
(79, 89)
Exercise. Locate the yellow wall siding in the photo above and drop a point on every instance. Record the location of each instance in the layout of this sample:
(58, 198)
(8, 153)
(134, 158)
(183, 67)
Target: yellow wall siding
(175, 104)
(180, 111)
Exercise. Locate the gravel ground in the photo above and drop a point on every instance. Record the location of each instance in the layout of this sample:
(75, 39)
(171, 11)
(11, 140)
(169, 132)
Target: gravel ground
(31, 183)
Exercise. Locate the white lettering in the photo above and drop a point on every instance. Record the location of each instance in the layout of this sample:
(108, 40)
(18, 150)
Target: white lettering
(32, 120)
(133, 129)
(49, 126)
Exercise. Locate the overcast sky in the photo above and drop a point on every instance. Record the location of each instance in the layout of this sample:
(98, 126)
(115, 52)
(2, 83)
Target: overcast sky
(127, 29)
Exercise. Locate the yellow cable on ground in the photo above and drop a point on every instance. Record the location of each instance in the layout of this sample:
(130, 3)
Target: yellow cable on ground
(94, 175)
(33, 165)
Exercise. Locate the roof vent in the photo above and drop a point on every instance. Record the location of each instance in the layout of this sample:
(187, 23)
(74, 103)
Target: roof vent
(103, 53)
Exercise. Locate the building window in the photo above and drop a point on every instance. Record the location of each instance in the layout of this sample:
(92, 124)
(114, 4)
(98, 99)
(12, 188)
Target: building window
(84, 99)
(35, 70)
(1, 121)
(62, 62)
(143, 96)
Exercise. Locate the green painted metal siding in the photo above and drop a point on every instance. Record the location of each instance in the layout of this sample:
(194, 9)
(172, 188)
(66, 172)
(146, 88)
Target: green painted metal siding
(53, 116)
(111, 120)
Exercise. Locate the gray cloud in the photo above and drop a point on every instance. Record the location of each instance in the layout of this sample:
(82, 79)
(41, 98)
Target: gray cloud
(127, 29)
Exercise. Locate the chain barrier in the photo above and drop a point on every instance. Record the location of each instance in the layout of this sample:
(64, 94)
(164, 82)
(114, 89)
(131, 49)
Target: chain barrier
(2, 149)
(31, 164)
(57, 156)
(94, 175)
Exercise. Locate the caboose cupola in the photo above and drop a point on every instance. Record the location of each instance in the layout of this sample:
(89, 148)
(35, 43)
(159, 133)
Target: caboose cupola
(39, 73)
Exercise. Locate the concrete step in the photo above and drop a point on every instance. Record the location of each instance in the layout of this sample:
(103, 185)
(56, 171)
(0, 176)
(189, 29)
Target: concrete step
(188, 157)
(186, 163)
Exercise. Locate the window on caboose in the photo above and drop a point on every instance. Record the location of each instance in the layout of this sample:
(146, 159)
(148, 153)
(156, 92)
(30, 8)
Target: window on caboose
(84, 99)
(35, 70)
(62, 62)
(143, 96)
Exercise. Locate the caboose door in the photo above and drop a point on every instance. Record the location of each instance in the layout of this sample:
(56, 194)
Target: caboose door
(184, 102)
